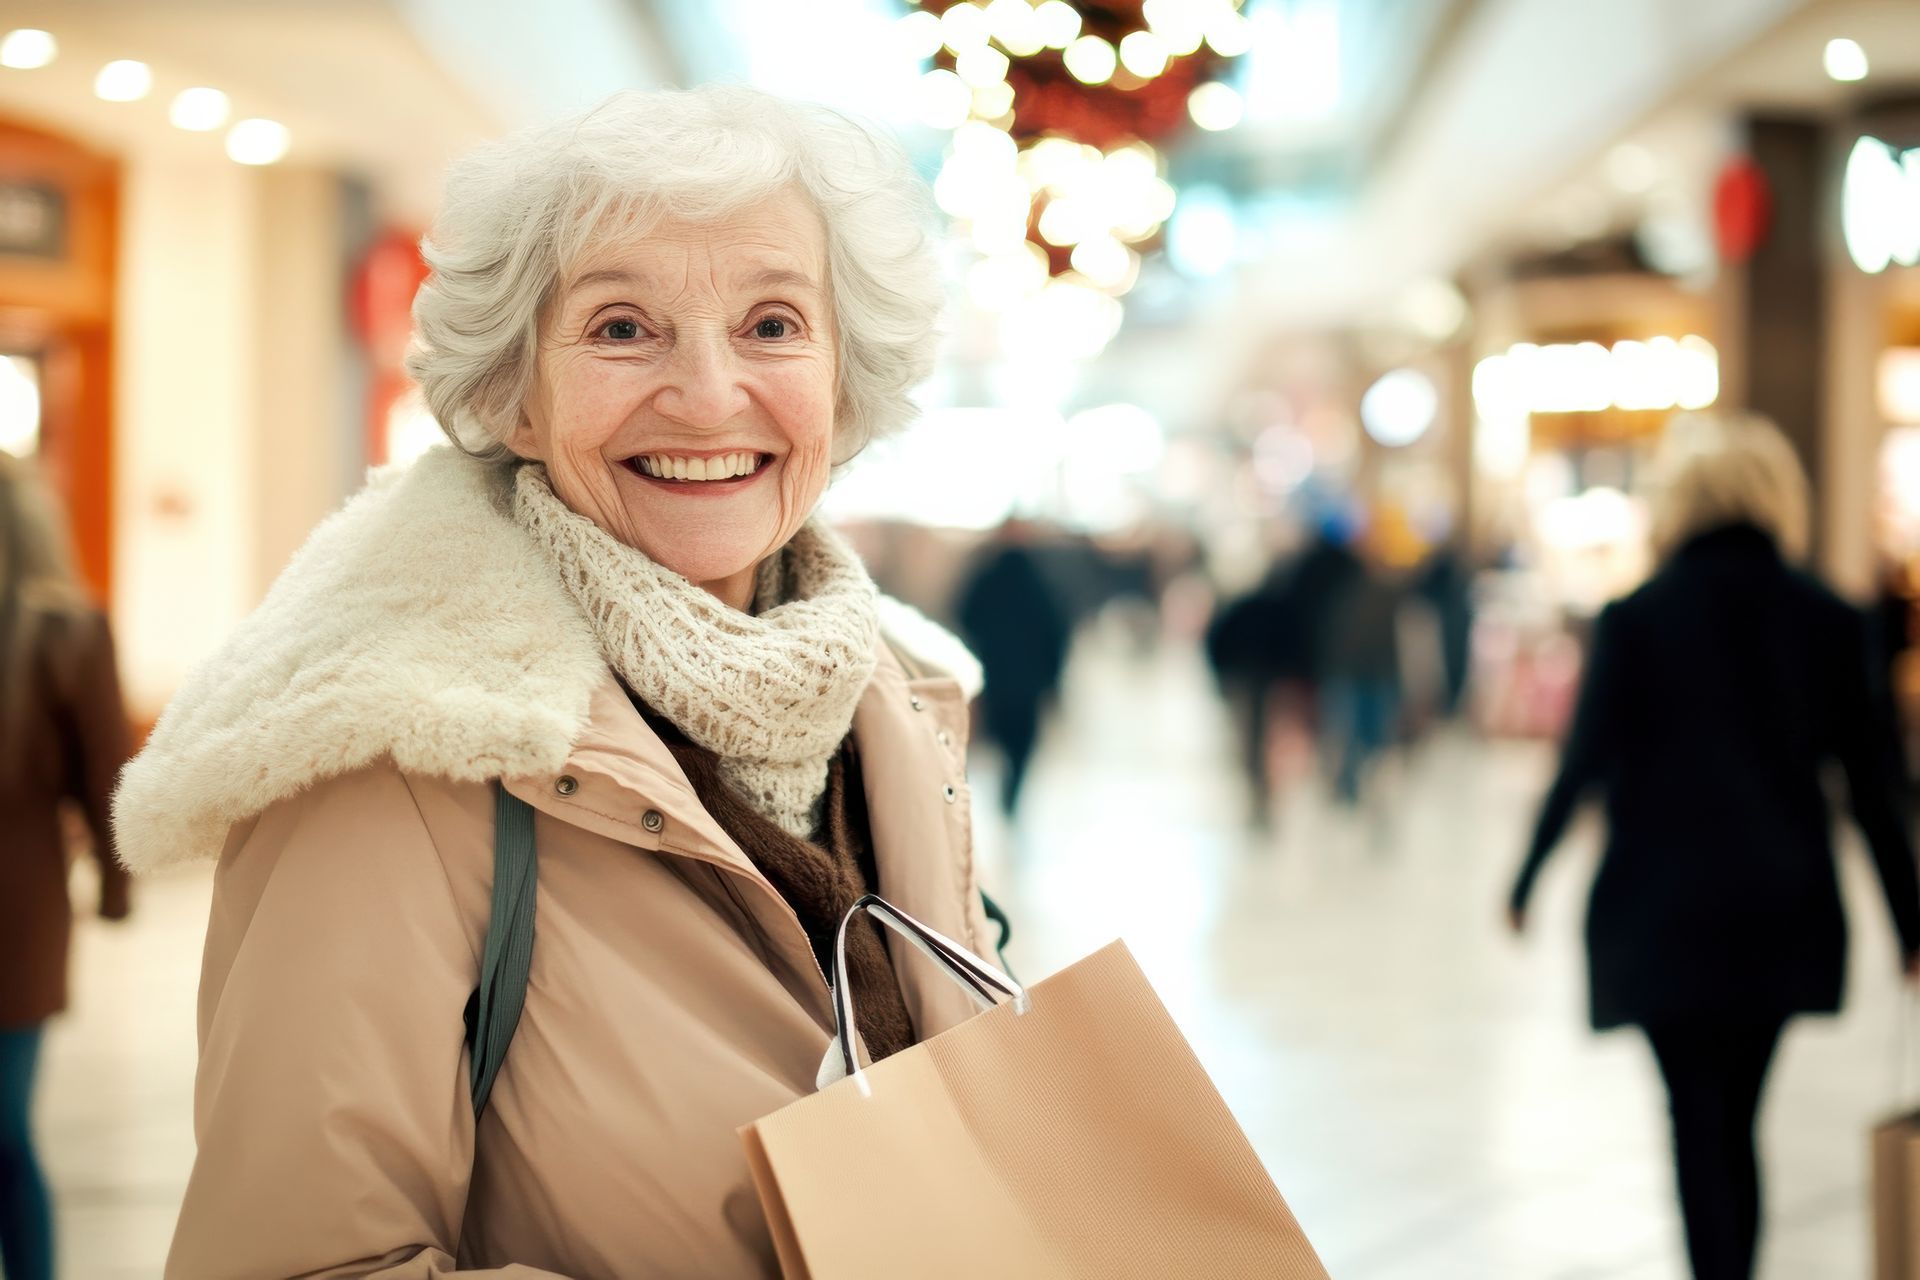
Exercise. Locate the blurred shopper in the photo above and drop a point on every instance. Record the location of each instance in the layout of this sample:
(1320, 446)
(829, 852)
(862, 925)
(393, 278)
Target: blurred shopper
(1255, 645)
(63, 739)
(1015, 621)
(1445, 584)
(1360, 677)
(608, 619)
(1713, 699)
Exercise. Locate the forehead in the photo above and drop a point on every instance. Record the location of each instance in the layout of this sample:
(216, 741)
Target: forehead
(779, 237)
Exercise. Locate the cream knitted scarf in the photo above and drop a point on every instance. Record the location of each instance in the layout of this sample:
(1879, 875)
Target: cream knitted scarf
(771, 692)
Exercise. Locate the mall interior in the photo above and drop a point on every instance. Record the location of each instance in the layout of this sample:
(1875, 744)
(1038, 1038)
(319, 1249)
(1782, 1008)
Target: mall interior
(1399, 296)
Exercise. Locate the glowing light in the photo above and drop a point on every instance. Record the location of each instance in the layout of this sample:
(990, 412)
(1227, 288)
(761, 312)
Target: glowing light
(1640, 378)
(1230, 35)
(1065, 221)
(1091, 60)
(1064, 321)
(28, 49)
(1002, 280)
(123, 80)
(1399, 407)
(1433, 308)
(983, 66)
(258, 141)
(1215, 106)
(1697, 373)
(1660, 373)
(1880, 205)
(1015, 25)
(1179, 23)
(992, 101)
(1144, 53)
(198, 110)
(1058, 23)
(964, 27)
(1106, 262)
(1899, 385)
(19, 407)
(918, 35)
(943, 100)
(1054, 161)
(1845, 60)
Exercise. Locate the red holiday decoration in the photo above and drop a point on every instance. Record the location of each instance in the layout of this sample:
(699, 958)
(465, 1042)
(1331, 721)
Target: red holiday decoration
(380, 296)
(1742, 209)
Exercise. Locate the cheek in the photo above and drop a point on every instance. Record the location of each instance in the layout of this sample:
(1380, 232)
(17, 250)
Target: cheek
(590, 406)
(802, 404)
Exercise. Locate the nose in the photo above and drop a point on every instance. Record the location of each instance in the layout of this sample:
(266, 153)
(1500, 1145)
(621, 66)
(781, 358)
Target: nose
(702, 386)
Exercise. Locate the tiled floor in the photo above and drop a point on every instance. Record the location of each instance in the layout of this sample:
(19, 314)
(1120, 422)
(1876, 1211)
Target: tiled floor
(1421, 1086)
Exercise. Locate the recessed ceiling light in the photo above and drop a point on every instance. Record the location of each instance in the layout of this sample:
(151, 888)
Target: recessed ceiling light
(27, 49)
(199, 110)
(1845, 60)
(258, 141)
(123, 81)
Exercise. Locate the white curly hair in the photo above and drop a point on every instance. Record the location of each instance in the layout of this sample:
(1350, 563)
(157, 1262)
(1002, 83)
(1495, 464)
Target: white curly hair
(523, 212)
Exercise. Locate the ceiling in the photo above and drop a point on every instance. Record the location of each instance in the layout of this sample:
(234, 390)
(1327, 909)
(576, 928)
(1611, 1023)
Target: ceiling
(390, 90)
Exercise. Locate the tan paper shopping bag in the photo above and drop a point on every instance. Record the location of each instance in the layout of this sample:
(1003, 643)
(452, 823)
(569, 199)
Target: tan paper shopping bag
(1896, 1198)
(1079, 1138)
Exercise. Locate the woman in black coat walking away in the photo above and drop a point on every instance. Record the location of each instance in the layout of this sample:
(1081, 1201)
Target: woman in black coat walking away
(1715, 699)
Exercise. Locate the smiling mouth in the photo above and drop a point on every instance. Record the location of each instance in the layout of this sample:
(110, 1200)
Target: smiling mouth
(718, 469)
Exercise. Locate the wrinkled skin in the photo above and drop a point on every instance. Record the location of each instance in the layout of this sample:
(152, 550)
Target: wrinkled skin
(692, 338)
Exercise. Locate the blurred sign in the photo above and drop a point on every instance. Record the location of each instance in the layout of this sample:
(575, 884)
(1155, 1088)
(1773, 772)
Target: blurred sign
(1880, 205)
(33, 220)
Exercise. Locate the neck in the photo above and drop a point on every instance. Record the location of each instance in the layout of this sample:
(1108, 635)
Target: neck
(736, 590)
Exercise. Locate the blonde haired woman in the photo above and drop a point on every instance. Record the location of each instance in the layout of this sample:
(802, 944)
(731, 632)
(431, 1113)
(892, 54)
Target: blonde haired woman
(63, 738)
(1715, 697)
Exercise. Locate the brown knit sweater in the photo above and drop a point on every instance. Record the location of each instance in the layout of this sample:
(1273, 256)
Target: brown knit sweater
(820, 878)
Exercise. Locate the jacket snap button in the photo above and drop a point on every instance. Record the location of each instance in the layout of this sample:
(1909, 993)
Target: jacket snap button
(915, 700)
(946, 739)
(652, 820)
(951, 793)
(565, 784)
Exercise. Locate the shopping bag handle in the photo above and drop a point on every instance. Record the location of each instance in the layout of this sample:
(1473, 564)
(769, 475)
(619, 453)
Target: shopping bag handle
(1905, 1095)
(980, 979)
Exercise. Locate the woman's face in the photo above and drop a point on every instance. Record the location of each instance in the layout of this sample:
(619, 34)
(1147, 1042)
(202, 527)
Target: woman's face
(696, 349)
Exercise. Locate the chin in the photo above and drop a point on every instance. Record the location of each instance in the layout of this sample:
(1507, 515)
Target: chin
(706, 558)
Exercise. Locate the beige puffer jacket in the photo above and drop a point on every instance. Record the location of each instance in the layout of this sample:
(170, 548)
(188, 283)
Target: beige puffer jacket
(337, 757)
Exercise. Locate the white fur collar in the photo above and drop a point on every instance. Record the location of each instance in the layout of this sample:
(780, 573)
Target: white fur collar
(419, 623)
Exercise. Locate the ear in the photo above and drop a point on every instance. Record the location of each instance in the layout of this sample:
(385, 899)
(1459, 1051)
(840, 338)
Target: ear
(523, 440)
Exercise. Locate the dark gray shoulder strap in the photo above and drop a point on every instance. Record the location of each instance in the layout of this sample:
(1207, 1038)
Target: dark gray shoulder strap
(493, 1011)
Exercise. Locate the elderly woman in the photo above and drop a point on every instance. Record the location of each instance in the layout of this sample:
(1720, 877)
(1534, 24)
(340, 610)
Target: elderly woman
(653, 330)
(1715, 698)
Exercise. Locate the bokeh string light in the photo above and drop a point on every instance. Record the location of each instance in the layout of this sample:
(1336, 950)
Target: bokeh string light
(1060, 113)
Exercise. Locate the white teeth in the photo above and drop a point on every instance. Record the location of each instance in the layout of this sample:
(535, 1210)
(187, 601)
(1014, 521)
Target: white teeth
(725, 467)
